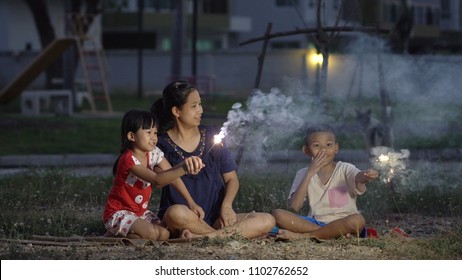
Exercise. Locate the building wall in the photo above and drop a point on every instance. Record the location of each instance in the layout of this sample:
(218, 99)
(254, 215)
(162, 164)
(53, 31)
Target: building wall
(234, 73)
(16, 19)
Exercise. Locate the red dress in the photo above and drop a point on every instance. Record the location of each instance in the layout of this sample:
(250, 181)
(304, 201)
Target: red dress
(128, 191)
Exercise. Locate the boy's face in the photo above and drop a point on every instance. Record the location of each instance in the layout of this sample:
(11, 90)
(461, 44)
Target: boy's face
(321, 141)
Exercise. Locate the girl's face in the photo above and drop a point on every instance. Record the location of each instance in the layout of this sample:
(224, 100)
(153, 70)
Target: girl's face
(191, 111)
(145, 139)
(321, 141)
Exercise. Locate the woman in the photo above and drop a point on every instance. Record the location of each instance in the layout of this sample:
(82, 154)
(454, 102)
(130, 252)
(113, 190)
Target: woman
(179, 112)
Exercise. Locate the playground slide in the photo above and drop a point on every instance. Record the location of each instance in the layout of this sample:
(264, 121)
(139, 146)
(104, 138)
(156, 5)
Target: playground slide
(38, 65)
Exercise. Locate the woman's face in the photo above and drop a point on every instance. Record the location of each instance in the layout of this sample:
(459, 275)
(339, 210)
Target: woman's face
(191, 112)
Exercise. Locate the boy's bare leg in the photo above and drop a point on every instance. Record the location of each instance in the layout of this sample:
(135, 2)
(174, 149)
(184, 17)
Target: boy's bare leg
(294, 227)
(292, 222)
(351, 224)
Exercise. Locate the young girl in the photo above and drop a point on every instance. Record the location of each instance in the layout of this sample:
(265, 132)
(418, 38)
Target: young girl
(126, 212)
(329, 187)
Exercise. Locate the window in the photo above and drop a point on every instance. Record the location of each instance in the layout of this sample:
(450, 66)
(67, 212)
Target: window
(390, 12)
(311, 4)
(215, 7)
(429, 16)
(335, 5)
(159, 5)
(446, 9)
(285, 3)
(129, 40)
(419, 16)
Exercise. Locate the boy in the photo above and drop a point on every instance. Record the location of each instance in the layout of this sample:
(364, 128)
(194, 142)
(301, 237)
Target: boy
(329, 187)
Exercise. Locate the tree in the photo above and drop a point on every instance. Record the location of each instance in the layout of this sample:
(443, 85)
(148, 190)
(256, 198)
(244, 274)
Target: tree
(323, 37)
(73, 10)
(403, 28)
(46, 34)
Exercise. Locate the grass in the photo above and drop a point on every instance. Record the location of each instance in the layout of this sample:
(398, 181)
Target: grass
(48, 134)
(86, 133)
(52, 202)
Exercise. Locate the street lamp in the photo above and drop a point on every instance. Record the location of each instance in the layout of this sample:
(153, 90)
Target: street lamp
(316, 58)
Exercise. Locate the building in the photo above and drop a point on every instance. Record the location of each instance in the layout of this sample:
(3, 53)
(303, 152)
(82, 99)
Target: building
(222, 25)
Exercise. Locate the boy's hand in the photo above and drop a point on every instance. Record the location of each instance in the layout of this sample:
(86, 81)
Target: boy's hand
(318, 162)
(371, 174)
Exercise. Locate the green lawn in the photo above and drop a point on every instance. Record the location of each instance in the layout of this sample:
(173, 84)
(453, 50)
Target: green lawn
(87, 133)
(82, 133)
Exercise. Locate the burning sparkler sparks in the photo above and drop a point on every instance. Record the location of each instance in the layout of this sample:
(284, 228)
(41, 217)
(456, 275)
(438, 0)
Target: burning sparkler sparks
(389, 162)
(217, 139)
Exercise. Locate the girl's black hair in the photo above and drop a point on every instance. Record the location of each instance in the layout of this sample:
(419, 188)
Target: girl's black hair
(132, 121)
(174, 94)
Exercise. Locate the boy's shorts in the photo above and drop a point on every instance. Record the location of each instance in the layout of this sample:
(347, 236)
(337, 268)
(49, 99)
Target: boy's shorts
(275, 230)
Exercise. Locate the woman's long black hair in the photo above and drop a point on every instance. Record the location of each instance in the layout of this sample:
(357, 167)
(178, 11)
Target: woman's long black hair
(175, 94)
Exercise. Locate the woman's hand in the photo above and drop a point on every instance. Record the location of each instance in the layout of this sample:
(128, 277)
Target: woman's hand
(227, 216)
(197, 210)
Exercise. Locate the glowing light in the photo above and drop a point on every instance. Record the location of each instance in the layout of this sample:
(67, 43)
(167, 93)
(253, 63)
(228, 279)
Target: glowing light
(384, 158)
(388, 162)
(217, 138)
(317, 58)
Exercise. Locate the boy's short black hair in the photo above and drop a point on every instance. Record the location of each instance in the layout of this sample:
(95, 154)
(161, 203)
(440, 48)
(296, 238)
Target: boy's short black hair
(324, 127)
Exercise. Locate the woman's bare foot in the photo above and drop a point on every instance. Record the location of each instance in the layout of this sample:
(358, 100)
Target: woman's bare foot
(186, 233)
(109, 234)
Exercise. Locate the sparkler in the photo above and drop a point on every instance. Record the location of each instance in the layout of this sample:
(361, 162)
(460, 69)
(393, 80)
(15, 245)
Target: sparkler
(217, 139)
(389, 163)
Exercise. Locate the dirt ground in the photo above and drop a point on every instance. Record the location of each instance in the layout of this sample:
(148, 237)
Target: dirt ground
(386, 247)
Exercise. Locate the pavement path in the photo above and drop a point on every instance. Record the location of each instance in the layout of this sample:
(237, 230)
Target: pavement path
(101, 164)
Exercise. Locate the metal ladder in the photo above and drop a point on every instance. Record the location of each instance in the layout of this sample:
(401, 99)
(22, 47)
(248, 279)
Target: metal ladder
(94, 66)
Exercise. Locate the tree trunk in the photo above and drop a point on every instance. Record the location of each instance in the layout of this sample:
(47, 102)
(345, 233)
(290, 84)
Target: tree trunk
(47, 34)
(177, 44)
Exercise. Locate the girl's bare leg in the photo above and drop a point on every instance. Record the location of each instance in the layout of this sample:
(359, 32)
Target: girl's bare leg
(145, 230)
